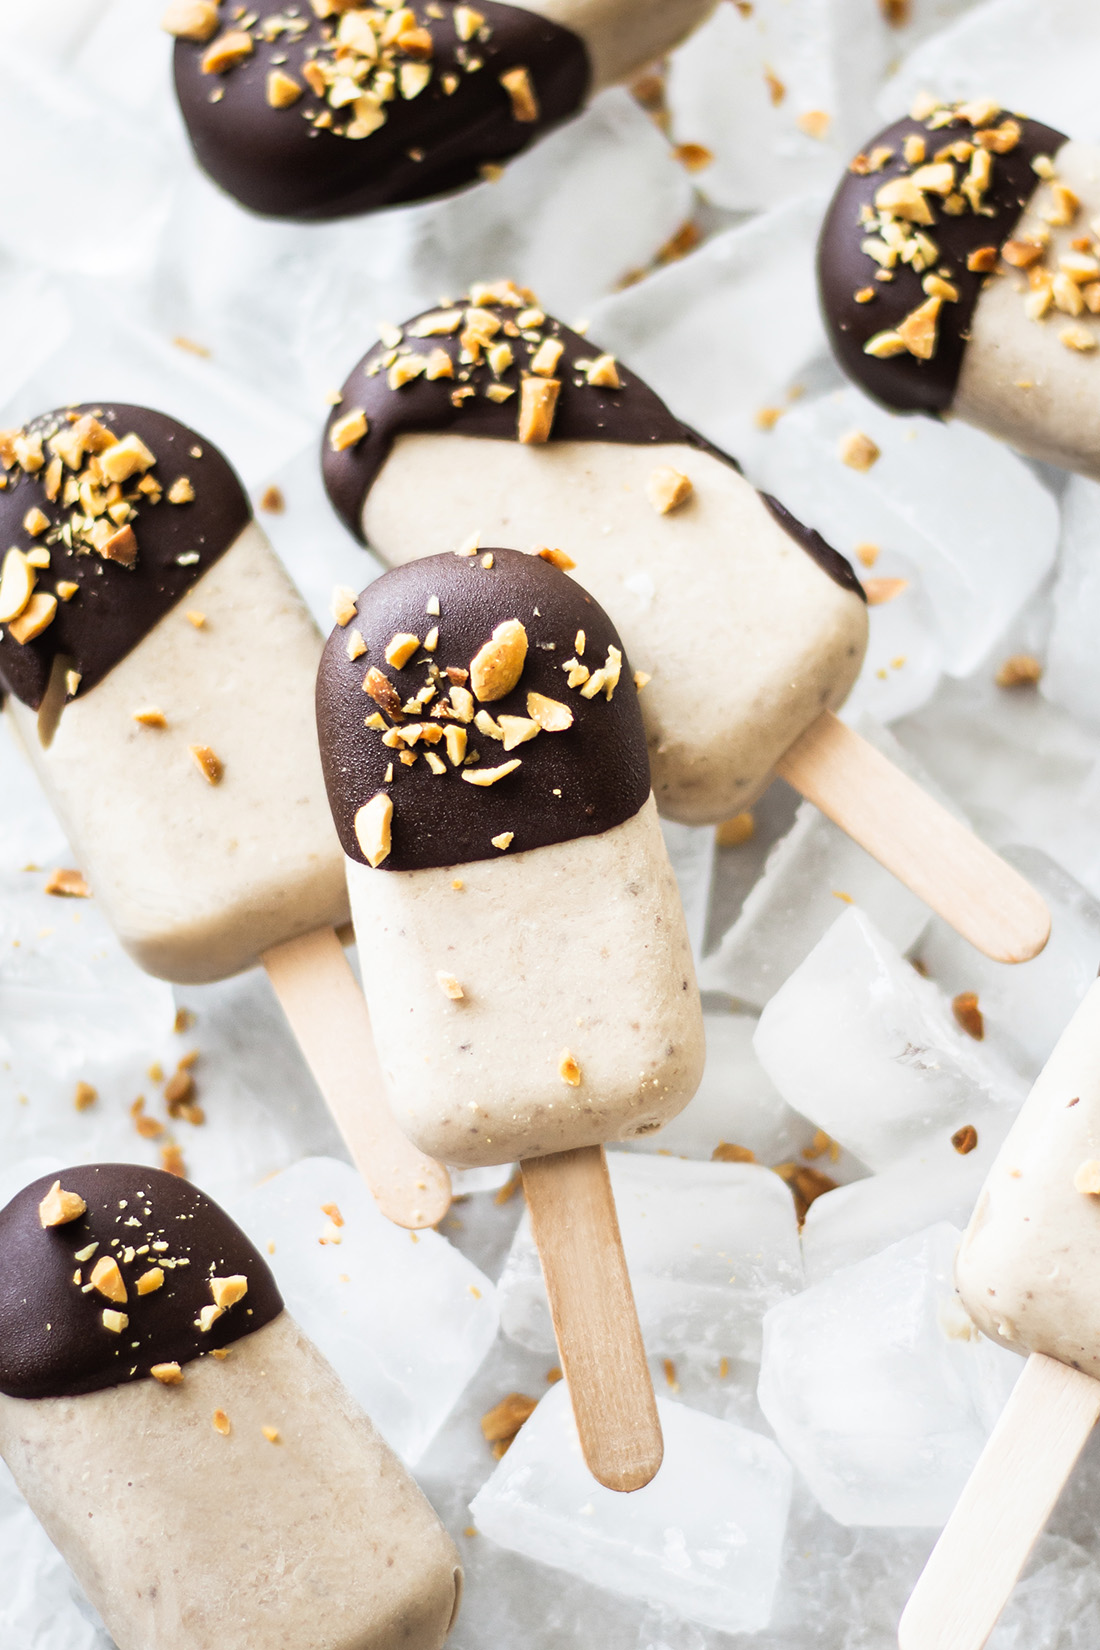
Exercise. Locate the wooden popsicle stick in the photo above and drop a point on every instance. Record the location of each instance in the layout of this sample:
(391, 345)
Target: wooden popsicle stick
(906, 830)
(576, 1231)
(328, 1015)
(1001, 1513)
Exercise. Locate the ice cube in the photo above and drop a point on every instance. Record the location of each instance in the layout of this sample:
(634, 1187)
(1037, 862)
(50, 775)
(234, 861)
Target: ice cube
(862, 1045)
(1014, 51)
(1026, 1006)
(704, 1538)
(880, 1389)
(935, 1183)
(710, 1246)
(691, 851)
(103, 356)
(694, 333)
(812, 873)
(779, 93)
(404, 1319)
(1072, 675)
(736, 1103)
(46, 115)
(904, 660)
(964, 518)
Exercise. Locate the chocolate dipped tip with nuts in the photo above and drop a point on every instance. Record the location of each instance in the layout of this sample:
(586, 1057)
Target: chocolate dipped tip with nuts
(342, 107)
(959, 275)
(486, 420)
(134, 584)
(156, 1399)
(525, 960)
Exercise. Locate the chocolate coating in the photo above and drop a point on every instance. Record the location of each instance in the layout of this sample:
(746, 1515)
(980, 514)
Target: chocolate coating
(576, 783)
(903, 382)
(275, 162)
(116, 606)
(818, 549)
(53, 1343)
(632, 414)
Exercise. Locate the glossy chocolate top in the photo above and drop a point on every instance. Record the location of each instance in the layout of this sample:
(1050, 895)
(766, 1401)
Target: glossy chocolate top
(75, 1315)
(556, 709)
(438, 92)
(131, 548)
(911, 236)
(467, 387)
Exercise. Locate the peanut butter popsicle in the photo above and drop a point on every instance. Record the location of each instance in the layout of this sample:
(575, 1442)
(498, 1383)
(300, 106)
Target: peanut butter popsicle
(1027, 1271)
(959, 272)
(157, 664)
(525, 958)
(338, 109)
(488, 417)
(190, 1452)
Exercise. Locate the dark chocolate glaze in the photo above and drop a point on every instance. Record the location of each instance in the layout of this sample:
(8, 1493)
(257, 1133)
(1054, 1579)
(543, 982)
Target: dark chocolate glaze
(632, 414)
(902, 382)
(53, 1343)
(829, 560)
(599, 765)
(116, 606)
(275, 163)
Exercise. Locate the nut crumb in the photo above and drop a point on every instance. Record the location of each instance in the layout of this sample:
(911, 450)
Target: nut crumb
(965, 1139)
(116, 1322)
(489, 776)
(733, 832)
(272, 1435)
(207, 763)
(498, 664)
(67, 884)
(191, 20)
(150, 717)
(373, 824)
(272, 501)
(1019, 670)
(880, 591)
(558, 558)
(450, 987)
(668, 489)
(1087, 1177)
(500, 1424)
(503, 841)
(348, 431)
(725, 1152)
(59, 1207)
(968, 1014)
(167, 1374)
(568, 1069)
(538, 399)
(85, 1096)
(525, 104)
(221, 1423)
(858, 451)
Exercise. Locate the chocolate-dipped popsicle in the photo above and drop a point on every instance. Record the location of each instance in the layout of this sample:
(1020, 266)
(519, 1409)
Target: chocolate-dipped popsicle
(489, 417)
(158, 669)
(959, 274)
(341, 108)
(524, 954)
(190, 1452)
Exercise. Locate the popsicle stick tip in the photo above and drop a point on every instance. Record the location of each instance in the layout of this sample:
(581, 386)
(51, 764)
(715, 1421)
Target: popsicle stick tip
(420, 1206)
(931, 852)
(626, 1477)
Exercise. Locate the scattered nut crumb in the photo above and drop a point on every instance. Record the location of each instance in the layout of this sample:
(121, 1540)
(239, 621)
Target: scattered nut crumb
(272, 501)
(347, 431)
(858, 451)
(815, 123)
(272, 1435)
(1087, 1177)
(167, 1374)
(525, 103)
(667, 489)
(500, 1424)
(171, 1161)
(693, 157)
(67, 884)
(724, 1152)
(968, 1014)
(568, 1069)
(498, 664)
(373, 826)
(207, 763)
(191, 20)
(965, 1139)
(116, 1322)
(221, 1423)
(1020, 670)
(731, 833)
(450, 987)
(85, 1096)
(880, 591)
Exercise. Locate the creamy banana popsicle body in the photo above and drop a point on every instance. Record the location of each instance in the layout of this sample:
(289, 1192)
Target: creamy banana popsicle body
(157, 665)
(492, 418)
(193, 1456)
(959, 272)
(1027, 1268)
(524, 955)
(344, 107)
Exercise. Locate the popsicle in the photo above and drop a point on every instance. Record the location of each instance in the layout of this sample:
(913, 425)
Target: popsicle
(489, 417)
(338, 109)
(157, 665)
(190, 1452)
(525, 958)
(959, 273)
(1027, 1270)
